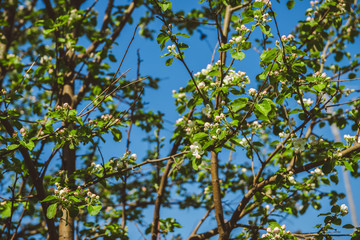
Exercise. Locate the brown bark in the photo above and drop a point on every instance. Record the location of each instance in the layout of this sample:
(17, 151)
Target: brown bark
(219, 214)
(214, 163)
(66, 224)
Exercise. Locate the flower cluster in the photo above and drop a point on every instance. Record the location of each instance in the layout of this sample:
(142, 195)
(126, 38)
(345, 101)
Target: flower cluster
(255, 125)
(207, 110)
(283, 135)
(191, 127)
(321, 76)
(23, 132)
(65, 106)
(291, 180)
(299, 144)
(242, 28)
(208, 126)
(287, 38)
(235, 78)
(196, 150)
(96, 167)
(245, 141)
(91, 197)
(348, 91)
(252, 92)
(106, 117)
(237, 39)
(318, 172)
(344, 210)
(263, 17)
(180, 97)
(172, 50)
(307, 102)
(350, 139)
(232, 78)
(276, 232)
(267, 2)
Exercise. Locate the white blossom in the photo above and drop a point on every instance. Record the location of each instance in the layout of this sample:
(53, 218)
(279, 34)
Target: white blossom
(133, 156)
(344, 209)
(291, 179)
(207, 110)
(318, 171)
(307, 102)
(195, 149)
(252, 91)
(201, 85)
(299, 144)
(283, 135)
(179, 120)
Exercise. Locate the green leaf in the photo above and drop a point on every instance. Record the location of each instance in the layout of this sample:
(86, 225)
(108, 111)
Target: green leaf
(207, 144)
(273, 225)
(29, 145)
(246, 20)
(169, 61)
(319, 87)
(183, 46)
(258, 4)
(348, 166)
(51, 211)
(264, 107)
(290, 4)
(47, 31)
(266, 29)
(112, 58)
(49, 198)
(182, 35)
(269, 55)
(75, 199)
(195, 164)
(238, 55)
(7, 211)
(12, 147)
(94, 209)
(200, 135)
(80, 121)
(246, 45)
(328, 166)
(348, 226)
(238, 104)
(334, 179)
(165, 6)
(162, 39)
(116, 134)
(225, 47)
(299, 67)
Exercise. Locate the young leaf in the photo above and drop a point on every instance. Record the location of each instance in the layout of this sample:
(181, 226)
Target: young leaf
(290, 4)
(49, 198)
(51, 211)
(94, 209)
(169, 61)
(238, 55)
(264, 107)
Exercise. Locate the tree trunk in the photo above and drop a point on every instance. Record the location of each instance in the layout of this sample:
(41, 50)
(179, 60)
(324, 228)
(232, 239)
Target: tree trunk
(66, 225)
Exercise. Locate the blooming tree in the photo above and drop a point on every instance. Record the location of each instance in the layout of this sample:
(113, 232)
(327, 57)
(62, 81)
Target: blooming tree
(263, 139)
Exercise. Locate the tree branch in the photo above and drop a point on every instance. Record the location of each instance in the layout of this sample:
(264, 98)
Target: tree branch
(41, 194)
